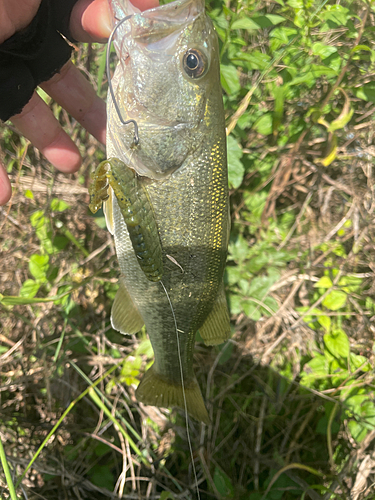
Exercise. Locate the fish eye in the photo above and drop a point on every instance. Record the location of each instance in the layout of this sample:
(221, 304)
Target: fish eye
(195, 63)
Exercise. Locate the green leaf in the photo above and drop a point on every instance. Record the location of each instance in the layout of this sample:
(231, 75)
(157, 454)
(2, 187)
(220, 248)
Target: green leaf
(264, 124)
(281, 36)
(366, 92)
(357, 361)
(324, 282)
(223, 483)
(251, 309)
(229, 79)
(322, 50)
(335, 300)
(29, 194)
(338, 374)
(368, 414)
(307, 77)
(227, 354)
(260, 286)
(256, 496)
(356, 402)
(319, 70)
(59, 205)
(350, 284)
(268, 21)
(145, 348)
(101, 449)
(37, 219)
(295, 4)
(102, 476)
(245, 24)
(100, 222)
(317, 368)
(322, 425)
(318, 365)
(166, 495)
(275, 19)
(337, 343)
(29, 289)
(235, 303)
(271, 304)
(236, 169)
(357, 48)
(38, 266)
(254, 60)
(358, 431)
(335, 16)
(325, 322)
(60, 242)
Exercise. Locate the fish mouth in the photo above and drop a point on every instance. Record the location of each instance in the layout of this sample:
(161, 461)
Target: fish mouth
(153, 24)
(174, 11)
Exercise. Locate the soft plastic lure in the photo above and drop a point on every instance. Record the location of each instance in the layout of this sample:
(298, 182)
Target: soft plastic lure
(136, 209)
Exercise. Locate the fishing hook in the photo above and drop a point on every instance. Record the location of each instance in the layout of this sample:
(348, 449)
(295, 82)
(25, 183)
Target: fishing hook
(136, 136)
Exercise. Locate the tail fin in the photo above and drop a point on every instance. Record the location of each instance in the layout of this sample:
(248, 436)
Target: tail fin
(157, 391)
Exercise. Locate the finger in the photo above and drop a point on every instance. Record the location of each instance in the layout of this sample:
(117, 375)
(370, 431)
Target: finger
(145, 4)
(91, 21)
(75, 94)
(37, 123)
(14, 19)
(5, 187)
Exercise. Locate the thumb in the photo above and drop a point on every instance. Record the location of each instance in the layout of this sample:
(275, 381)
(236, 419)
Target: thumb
(91, 21)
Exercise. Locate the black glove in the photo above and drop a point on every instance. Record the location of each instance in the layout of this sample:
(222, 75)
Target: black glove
(33, 55)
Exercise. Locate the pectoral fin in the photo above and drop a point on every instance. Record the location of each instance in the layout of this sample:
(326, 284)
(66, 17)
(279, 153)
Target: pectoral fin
(216, 328)
(156, 391)
(125, 316)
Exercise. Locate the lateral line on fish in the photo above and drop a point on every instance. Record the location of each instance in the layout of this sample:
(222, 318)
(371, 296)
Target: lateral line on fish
(183, 392)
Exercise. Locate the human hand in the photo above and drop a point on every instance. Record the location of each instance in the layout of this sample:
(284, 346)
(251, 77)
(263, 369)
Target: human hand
(90, 21)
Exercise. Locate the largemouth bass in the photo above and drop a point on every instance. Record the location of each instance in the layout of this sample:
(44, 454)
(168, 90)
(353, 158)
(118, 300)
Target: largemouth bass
(167, 203)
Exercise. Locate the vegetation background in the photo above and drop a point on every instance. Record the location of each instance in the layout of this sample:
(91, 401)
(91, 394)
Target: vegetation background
(291, 396)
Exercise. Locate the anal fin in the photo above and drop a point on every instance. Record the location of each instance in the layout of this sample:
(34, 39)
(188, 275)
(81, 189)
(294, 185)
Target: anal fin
(216, 328)
(155, 390)
(125, 316)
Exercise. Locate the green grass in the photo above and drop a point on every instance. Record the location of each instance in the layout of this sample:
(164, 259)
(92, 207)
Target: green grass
(291, 396)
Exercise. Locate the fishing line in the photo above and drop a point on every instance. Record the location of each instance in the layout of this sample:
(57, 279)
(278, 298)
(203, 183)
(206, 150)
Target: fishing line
(136, 142)
(107, 69)
(183, 392)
